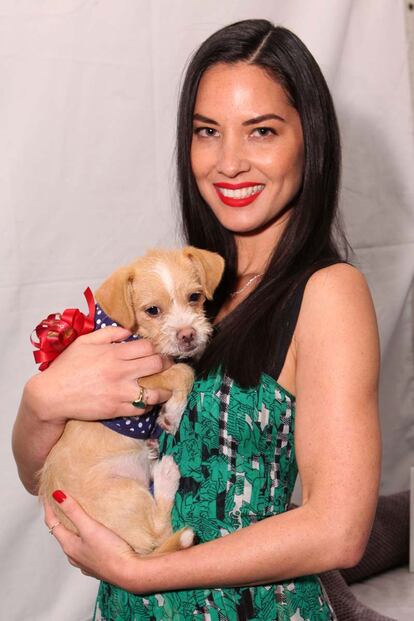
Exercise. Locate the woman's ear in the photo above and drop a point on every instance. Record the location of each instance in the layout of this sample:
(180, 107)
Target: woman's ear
(209, 265)
(115, 297)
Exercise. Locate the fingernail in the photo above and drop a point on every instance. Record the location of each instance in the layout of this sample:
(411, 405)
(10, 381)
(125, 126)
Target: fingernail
(59, 496)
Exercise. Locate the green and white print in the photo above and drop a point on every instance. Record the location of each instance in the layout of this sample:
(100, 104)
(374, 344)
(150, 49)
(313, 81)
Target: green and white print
(236, 455)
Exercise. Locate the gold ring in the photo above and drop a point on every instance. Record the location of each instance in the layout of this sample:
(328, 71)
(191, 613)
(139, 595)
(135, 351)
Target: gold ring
(52, 527)
(140, 400)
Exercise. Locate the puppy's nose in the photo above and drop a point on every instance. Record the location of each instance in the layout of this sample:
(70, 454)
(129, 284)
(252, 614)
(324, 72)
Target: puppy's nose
(186, 336)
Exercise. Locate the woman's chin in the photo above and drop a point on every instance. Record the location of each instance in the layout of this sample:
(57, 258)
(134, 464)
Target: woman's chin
(239, 223)
(247, 227)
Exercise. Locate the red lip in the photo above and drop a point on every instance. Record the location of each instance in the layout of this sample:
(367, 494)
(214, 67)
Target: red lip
(236, 202)
(236, 186)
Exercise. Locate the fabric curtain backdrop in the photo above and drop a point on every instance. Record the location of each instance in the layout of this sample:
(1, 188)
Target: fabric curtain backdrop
(87, 118)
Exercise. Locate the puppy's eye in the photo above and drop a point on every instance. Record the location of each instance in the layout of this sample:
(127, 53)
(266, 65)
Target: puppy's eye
(153, 311)
(194, 297)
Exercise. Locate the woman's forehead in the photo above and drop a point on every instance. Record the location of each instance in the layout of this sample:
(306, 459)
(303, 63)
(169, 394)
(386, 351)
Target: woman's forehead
(240, 89)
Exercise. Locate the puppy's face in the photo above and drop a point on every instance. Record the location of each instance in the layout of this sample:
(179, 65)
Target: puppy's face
(168, 297)
(161, 295)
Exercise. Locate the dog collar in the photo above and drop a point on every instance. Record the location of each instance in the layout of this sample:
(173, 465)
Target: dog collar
(102, 320)
(138, 427)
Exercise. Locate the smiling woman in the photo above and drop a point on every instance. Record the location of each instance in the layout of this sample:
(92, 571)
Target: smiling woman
(248, 160)
(287, 384)
(283, 384)
(255, 112)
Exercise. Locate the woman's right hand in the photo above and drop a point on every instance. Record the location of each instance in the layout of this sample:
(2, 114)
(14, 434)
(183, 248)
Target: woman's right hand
(93, 379)
(96, 378)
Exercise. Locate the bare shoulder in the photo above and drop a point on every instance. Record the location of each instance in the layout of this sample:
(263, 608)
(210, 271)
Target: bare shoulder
(338, 294)
(337, 280)
(337, 329)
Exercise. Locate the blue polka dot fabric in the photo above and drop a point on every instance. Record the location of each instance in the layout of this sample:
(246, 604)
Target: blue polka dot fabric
(139, 427)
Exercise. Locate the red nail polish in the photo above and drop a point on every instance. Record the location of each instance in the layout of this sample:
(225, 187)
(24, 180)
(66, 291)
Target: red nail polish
(59, 496)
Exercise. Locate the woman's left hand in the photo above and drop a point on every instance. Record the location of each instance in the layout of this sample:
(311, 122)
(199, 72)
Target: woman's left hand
(96, 551)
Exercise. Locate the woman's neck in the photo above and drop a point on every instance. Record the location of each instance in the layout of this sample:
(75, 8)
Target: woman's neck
(255, 249)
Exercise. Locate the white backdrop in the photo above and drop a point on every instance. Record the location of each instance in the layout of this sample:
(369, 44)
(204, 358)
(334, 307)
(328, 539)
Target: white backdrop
(88, 92)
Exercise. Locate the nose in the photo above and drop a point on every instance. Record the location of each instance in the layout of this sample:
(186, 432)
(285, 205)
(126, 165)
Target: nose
(232, 159)
(186, 336)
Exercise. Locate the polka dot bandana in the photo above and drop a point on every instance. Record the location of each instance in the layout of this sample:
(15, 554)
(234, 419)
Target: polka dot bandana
(102, 320)
(139, 427)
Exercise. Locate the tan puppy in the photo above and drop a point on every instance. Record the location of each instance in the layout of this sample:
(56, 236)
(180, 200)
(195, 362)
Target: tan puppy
(159, 297)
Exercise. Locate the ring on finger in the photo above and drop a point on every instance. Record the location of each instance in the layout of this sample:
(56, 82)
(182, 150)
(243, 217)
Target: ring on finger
(51, 529)
(141, 399)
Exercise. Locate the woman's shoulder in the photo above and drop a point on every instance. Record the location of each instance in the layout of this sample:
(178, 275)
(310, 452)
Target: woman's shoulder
(338, 274)
(334, 271)
(335, 282)
(337, 295)
(336, 339)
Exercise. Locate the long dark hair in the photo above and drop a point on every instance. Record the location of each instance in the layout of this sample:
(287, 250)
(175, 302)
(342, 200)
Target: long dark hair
(244, 345)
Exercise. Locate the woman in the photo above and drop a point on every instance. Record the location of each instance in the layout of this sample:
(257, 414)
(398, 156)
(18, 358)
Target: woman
(258, 152)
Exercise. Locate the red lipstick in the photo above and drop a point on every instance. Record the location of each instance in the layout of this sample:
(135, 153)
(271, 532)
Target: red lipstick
(237, 202)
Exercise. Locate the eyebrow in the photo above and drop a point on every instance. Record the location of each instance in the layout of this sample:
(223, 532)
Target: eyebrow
(204, 119)
(264, 117)
(257, 119)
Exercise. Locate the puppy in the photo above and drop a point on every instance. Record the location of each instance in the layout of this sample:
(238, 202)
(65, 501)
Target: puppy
(159, 297)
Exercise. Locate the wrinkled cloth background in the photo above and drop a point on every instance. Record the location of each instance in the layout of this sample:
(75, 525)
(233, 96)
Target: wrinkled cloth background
(88, 94)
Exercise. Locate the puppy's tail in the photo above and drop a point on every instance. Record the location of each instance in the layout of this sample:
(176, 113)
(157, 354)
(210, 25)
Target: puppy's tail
(183, 538)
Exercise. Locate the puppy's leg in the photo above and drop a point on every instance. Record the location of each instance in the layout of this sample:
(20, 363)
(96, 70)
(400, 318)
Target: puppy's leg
(179, 378)
(144, 521)
(171, 412)
(166, 478)
(153, 447)
(166, 481)
(126, 507)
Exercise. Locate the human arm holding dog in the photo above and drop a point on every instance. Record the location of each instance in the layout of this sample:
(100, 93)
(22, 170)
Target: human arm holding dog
(93, 379)
(337, 443)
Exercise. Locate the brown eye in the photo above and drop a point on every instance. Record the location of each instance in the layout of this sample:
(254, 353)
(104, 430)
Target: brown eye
(194, 297)
(153, 311)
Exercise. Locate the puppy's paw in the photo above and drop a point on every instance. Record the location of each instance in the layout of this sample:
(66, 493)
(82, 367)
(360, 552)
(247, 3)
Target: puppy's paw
(166, 476)
(187, 538)
(170, 415)
(165, 423)
(153, 447)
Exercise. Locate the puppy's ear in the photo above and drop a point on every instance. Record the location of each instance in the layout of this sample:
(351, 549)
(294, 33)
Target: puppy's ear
(115, 297)
(209, 265)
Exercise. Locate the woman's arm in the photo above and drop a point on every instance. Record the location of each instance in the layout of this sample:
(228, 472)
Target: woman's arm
(337, 445)
(338, 432)
(93, 379)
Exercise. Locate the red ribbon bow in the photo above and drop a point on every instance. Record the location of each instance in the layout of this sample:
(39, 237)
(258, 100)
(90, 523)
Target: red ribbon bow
(58, 331)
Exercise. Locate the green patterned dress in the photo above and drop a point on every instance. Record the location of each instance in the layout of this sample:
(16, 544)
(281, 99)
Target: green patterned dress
(235, 450)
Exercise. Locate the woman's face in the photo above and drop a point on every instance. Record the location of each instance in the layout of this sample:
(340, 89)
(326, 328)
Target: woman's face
(247, 146)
